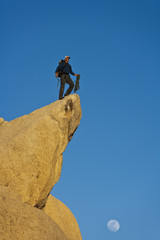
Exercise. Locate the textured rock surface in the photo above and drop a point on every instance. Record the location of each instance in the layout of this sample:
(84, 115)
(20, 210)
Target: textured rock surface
(19, 221)
(63, 217)
(1, 121)
(31, 149)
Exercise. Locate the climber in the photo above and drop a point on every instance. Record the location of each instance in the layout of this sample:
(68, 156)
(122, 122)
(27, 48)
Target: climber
(62, 71)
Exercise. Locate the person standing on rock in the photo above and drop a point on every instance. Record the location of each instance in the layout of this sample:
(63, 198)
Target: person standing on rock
(63, 70)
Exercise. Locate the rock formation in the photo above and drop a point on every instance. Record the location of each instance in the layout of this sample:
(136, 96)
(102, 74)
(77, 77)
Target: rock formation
(63, 217)
(31, 149)
(20, 221)
(1, 121)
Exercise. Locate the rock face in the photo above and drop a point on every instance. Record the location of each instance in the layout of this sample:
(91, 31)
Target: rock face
(20, 221)
(31, 149)
(63, 217)
(1, 121)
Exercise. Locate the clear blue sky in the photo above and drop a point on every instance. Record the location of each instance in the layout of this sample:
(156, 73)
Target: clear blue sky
(111, 168)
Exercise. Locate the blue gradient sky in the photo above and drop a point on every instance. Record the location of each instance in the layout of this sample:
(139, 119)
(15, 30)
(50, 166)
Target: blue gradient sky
(111, 168)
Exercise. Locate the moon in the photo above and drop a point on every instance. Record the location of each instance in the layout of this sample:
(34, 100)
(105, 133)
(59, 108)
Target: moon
(113, 225)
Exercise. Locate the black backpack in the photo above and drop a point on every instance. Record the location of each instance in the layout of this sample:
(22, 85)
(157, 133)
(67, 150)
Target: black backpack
(61, 71)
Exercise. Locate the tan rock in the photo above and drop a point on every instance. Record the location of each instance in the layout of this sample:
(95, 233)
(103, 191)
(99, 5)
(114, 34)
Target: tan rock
(1, 121)
(20, 221)
(31, 149)
(61, 214)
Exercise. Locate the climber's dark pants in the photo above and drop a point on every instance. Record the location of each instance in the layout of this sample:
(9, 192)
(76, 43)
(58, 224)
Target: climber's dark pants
(65, 79)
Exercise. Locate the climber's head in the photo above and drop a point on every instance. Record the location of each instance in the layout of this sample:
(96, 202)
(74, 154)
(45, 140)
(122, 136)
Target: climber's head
(67, 59)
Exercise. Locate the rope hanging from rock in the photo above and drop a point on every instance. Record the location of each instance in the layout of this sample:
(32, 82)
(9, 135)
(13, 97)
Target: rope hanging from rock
(77, 86)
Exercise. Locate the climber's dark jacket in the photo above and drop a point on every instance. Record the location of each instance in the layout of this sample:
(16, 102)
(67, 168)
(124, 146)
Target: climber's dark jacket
(67, 69)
